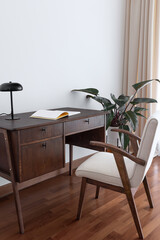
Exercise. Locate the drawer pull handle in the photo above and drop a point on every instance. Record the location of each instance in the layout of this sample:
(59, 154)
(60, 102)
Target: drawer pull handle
(87, 121)
(44, 145)
(43, 129)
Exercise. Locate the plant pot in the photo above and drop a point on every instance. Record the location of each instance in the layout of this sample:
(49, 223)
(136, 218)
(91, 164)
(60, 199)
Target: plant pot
(113, 137)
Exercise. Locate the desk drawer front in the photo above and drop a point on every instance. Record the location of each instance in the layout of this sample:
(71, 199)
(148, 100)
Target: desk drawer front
(41, 158)
(38, 133)
(84, 124)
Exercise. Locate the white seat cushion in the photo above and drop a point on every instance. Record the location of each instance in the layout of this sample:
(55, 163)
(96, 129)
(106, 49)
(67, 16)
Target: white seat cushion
(102, 167)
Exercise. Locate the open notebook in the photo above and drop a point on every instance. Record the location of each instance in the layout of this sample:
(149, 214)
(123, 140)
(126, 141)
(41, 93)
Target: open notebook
(52, 114)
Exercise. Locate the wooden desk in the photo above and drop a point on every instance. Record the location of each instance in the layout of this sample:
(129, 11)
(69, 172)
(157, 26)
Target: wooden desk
(31, 148)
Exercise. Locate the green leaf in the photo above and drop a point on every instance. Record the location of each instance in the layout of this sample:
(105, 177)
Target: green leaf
(143, 100)
(108, 107)
(109, 118)
(124, 138)
(132, 118)
(139, 109)
(123, 121)
(100, 99)
(139, 114)
(104, 101)
(93, 91)
(140, 85)
(121, 109)
(121, 100)
(124, 98)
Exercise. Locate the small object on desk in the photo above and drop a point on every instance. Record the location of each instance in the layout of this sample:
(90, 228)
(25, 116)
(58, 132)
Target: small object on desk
(11, 87)
(53, 114)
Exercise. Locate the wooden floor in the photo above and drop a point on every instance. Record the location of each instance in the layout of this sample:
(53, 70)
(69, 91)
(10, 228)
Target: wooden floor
(49, 211)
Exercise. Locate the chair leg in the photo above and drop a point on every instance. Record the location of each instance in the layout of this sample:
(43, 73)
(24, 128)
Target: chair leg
(70, 159)
(81, 198)
(97, 191)
(147, 190)
(134, 214)
(18, 207)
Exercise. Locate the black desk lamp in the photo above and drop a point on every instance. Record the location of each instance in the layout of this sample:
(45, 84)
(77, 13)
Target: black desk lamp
(11, 87)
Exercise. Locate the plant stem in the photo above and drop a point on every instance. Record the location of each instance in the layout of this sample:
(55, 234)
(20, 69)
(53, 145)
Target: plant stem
(130, 101)
(128, 105)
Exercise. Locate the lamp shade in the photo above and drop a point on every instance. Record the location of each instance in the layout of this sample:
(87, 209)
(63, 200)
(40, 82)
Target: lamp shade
(11, 86)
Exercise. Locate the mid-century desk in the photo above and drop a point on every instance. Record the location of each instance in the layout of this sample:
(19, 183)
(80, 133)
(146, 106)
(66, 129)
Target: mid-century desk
(31, 148)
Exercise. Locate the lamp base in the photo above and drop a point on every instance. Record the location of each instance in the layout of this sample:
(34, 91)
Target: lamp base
(14, 118)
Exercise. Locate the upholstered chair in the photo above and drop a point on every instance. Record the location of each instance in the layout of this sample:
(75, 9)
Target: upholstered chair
(121, 171)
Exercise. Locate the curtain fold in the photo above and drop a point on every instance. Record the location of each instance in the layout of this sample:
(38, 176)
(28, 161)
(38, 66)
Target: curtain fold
(141, 54)
(156, 54)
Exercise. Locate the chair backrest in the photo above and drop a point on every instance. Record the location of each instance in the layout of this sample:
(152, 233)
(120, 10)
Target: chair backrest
(150, 137)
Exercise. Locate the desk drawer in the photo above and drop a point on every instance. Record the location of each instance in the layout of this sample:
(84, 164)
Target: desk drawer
(38, 133)
(84, 124)
(41, 158)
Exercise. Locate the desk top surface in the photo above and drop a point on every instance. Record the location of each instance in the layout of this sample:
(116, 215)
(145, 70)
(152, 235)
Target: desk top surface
(26, 122)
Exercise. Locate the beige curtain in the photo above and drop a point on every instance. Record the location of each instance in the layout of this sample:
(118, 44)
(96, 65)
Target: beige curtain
(142, 49)
(156, 54)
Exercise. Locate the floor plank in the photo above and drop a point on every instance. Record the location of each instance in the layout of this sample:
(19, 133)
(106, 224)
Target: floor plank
(49, 211)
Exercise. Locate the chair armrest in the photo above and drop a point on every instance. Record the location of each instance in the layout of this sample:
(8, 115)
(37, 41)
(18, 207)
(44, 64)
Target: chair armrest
(127, 132)
(120, 151)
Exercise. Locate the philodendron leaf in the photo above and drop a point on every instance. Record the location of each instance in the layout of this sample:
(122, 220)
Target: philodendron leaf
(108, 107)
(121, 100)
(140, 85)
(104, 101)
(93, 91)
(132, 118)
(139, 109)
(100, 99)
(121, 109)
(139, 114)
(109, 118)
(143, 100)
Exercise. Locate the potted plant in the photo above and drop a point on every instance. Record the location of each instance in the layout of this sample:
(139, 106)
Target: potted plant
(122, 112)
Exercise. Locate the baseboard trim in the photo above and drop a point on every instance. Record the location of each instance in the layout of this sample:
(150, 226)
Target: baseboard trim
(7, 188)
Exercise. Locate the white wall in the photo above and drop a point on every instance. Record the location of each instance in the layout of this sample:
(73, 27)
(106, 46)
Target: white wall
(54, 46)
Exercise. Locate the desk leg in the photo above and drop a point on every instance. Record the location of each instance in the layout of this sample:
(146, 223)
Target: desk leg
(70, 159)
(14, 183)
(18, 206)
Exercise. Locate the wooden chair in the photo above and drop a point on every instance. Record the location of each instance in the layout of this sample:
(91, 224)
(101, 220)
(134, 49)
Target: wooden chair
(120, 171)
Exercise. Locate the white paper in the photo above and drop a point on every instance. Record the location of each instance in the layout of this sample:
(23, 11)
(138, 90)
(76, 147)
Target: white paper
(51, 114)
